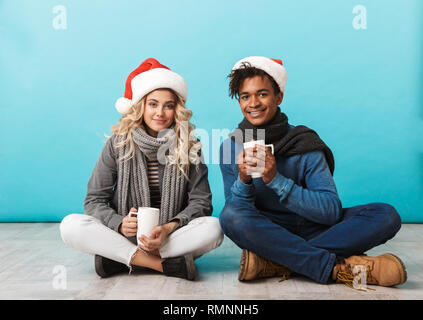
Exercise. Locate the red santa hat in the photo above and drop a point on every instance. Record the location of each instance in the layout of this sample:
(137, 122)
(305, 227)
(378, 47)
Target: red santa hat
(149, 76)
(273, 67)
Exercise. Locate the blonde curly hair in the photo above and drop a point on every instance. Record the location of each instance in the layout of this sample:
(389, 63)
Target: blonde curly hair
(187, 147)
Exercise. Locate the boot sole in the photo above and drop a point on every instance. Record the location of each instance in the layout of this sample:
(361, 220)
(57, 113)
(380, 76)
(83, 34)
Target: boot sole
(191, 268)
(242, 269)
(99, 262)
(98, 265)
(400, 264)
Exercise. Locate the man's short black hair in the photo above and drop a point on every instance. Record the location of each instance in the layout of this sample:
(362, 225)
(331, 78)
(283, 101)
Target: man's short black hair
(238, 76)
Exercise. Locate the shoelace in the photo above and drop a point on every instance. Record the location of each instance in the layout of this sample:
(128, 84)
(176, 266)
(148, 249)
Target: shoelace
(347, 277)
(284, 277)
(269, 270)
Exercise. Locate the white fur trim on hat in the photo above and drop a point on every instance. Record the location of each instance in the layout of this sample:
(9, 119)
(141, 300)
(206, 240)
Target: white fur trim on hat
(151, 80)
(274, 69)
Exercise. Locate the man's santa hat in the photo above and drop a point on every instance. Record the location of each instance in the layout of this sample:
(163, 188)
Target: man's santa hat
(273, 67)
(149, 76)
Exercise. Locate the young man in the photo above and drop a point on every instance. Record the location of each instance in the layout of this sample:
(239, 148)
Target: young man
(291, 219)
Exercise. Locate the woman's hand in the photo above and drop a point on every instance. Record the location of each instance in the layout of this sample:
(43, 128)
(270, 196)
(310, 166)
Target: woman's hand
(129, 225)
(157, 236)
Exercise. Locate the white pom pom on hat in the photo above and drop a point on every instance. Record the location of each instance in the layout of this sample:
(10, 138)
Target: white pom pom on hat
(272, 67)
(123, 104)
(149, 76)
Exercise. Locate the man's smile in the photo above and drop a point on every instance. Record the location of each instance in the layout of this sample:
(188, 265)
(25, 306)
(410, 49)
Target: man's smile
(256, 113)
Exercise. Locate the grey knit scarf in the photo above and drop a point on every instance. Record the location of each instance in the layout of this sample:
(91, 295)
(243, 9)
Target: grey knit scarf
(132, 185)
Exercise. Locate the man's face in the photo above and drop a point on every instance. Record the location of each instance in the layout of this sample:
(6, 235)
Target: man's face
(257, 100)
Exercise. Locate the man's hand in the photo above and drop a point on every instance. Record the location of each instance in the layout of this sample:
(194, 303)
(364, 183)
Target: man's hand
(129, 225)
(157, 236)
(245, 166)
(258, 159)
(266, 160)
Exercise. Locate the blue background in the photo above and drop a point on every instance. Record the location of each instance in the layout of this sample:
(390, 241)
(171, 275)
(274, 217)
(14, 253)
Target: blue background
(361, 90)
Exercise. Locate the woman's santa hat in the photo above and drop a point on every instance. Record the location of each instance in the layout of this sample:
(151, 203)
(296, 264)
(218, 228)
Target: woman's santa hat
(149, 76)
(273, 67)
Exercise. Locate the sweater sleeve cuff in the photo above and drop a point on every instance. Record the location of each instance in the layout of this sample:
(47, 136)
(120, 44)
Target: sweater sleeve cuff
(244, 187)
(115, 222)
(183, 219)
(243, 190)
(281, 185)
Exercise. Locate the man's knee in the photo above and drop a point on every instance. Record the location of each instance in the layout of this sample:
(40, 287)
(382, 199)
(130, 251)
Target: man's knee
(393, 219)
(229, 217)
(237, 218)
(390, 218)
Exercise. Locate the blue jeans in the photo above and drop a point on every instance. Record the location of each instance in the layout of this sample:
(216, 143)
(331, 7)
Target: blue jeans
(305, 247)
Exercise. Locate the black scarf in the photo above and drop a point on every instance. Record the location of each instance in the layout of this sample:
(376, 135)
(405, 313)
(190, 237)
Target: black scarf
(300, 139)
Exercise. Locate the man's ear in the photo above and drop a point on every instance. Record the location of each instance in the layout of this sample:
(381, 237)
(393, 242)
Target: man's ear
(279, 98)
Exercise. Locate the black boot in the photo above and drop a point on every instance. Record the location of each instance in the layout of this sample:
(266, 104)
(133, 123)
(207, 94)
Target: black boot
(181, 267)
(105, 267)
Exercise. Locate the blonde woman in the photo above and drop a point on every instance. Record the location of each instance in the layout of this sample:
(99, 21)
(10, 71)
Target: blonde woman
(150, 160)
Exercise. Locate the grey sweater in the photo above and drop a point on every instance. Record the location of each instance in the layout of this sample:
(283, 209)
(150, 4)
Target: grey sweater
(101, 199)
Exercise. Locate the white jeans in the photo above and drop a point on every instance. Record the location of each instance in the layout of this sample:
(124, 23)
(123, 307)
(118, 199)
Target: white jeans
(87, 234)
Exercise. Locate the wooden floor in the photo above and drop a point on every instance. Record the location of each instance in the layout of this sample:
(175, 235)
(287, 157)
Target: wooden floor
(36, 264)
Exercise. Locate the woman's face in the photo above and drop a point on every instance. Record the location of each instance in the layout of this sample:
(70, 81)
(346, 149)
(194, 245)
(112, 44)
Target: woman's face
(159, 111)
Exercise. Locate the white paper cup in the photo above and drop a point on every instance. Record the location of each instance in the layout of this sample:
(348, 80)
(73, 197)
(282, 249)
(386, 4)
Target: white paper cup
(148, 219)
(251, 144)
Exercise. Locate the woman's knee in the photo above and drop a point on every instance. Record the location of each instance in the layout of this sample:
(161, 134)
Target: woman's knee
(217, 231)
(70, 227)
(67, 226)
(213, 231)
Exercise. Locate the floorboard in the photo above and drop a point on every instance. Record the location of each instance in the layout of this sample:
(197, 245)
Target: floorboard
(32, 255)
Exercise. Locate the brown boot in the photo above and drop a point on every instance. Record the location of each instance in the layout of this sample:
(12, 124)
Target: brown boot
(385, 270)
(253, 266)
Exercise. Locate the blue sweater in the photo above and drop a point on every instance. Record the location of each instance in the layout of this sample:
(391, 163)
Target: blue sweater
(303, 185)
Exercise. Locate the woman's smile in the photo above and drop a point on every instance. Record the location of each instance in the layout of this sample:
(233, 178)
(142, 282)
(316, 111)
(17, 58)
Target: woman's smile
(160, 121)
